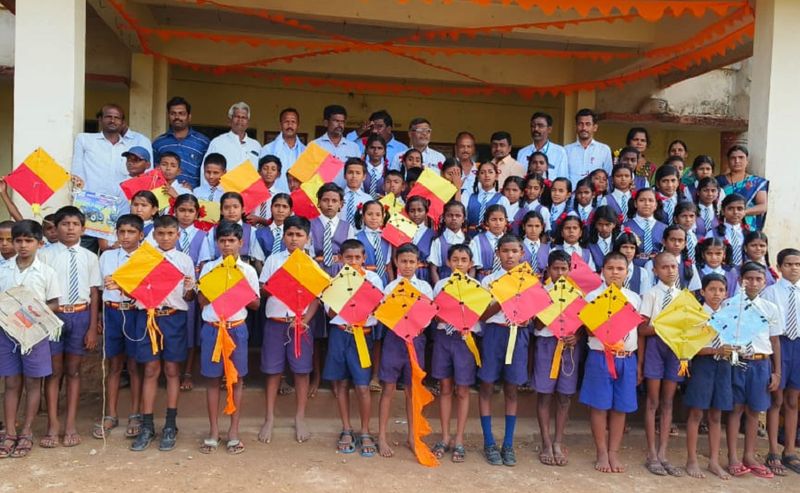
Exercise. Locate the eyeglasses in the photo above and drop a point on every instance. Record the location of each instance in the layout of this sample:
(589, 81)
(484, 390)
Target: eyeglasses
(423, 131)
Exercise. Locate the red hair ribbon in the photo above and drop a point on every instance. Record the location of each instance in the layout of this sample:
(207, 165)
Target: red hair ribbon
(358, 206)
(634, 194)
(627, 230)
(201, 212)
(547, 182)
(620, 218)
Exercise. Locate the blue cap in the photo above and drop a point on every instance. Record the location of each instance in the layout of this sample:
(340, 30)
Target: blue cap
(139, 152)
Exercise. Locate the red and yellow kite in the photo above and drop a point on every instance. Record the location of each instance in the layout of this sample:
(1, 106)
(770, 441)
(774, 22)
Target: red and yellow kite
(152, 181)
(461, 303)
(436, 189)
(562, 316)
(399, 230)
(245, 180)
(315, 160)
(37, 179)
(582, 276)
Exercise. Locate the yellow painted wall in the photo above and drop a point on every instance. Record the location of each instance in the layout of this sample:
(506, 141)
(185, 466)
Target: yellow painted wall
(700, 141)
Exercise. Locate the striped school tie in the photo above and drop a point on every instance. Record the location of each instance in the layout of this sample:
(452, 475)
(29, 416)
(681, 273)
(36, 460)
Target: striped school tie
(707, 219)
(211, 195)
(791, 314)
(483, 198)
(373, 182)
(496, 262)
(184, 241)
(277, 238)
(691, 245)
(648, 237)
(736, 247)
(380, 261)
(667, 299)
(73, 293)
(669, 208)
(351, 206)
(262, 209)
(327, 245)
(623, 206)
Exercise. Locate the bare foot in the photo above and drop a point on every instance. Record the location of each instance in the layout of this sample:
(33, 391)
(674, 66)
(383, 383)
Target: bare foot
(301, 432)
(265, 434)
(186, 382)
(313, 387)
(546, 455)
(410, 445)
(384, 449)
(602, 463)
(559, 456)
(719, 471)
(616, 465)
(693, 470)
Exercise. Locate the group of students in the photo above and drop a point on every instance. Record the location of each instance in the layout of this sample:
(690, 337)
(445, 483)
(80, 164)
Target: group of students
(649, 242)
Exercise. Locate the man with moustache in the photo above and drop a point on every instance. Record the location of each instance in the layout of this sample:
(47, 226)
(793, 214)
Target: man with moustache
(586, 154)
(419, 135)
(380, 123)
(286, 145)
(184, 141)
(334, 117)
(541, 127)
(236, 145)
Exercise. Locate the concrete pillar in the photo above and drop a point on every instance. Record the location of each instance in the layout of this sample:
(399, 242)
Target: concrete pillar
(49, 54)
(572, 103)
(774, 107)
(148, 95)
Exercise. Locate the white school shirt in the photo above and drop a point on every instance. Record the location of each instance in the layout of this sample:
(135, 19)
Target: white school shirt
(422, 286)
(235, 151)
(779, 293)
(359, 196)
(576, 248)
(555, 211)
(710, 311)
(630, 341)
(654, 298)
(204, 192)
(209, 246)
(512, 210)
(287, 155)
(421, 229)
(645, 278)
(621, 197)
(584, 211)
(351, 232)
(582, 161)
(57, 257)
(475, 329)
(475, 246)
(430, 158)
(608, 243)
(208, 314)
(184, 264)
(275, 308)
(39, 277)
(499, 317)
(761, 343)
(451, 238)
(110, 261)
(556, 158)
(371, 321)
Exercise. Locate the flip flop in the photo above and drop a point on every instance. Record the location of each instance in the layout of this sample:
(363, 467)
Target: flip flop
(439, 449)
(72, 440)
(761, 471)
(366, 450)
(49, 441)
(209, 445)
(655, 467)
(235, 446)
(737, 470)
(792, 462)
(672, 470)
(775, 464)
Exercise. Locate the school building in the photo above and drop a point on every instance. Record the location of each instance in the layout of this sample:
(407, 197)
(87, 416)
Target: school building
(708, 72)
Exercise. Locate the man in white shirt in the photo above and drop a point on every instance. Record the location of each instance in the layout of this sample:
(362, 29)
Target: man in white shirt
(334, 118)
(586, 154)
(464, 150)
(541, 127)
(235, 145)
(286, 145)
(501, 157)
(380, 123)
(419, 135)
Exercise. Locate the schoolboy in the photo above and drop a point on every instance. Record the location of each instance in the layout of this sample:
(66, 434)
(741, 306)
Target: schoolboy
(329, 230)
(277, 348)
(229, 242)
(355, 171)
(214, 166)
(170, 165)
(269, 169)
(78, 272)
(342, 363)
(30, 368)
(7, 251)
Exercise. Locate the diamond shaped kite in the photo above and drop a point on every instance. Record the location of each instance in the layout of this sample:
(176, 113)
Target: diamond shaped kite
(399, 230)
(582, 276)
(245, 180)
(562, 316)
(436, 189)
(683, 326)
(461, 303)
(304, 199)
(152, 181)
(315, 160)
(391, 203)
(37, 178)
(737, 323)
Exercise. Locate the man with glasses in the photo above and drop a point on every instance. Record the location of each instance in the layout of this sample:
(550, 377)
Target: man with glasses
(419, 135)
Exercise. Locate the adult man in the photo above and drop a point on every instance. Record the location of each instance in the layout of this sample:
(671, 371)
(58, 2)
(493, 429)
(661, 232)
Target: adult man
(334, 118)
(501, 156)
(541, 127)
(586, 154)
(184, 141)
(286, 145)
(97, 162)
(464, 151)
(419, 135)
(235, 145)
(381, 123)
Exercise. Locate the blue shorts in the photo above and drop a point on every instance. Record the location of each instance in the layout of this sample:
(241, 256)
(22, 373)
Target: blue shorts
(175, 338)
(709, 384)
(277, 349)
(208, 339)
(750, 384)
(395, 363)
(73, 333)
(660, 363)
(566, 383)
(341, 362)
(452, 358)
(790, 363)
(119, 329)
(602, 392)
(35, 364)
(493, 355)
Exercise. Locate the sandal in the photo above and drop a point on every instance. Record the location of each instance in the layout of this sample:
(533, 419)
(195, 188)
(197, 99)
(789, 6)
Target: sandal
(737, 470)
(546, 457)
(209, 445)
(134, 426)
(23, 447)
(458, 454)
(560, 457)
(439, 449)
(49, 441)
(100, 429)
(672, 470)
(346, 446)
(235, 446)
(792, 462)
(285, 388)
(655, 467)
(703, 428)
(673, 430)
(375, 385)
(366, 444)
(761, 471)
(7, 446)
(775, 464)
(186, 381)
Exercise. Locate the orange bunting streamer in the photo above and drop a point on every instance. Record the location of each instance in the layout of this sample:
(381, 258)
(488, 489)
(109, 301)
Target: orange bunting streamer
(420, 397)
(223, 349)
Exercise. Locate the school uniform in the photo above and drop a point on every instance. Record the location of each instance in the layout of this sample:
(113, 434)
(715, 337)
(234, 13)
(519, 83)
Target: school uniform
(473, 201)
(786, 296)
(734, 234)
(78, 272)
(706, 221)
(691, 244)
(638, 279)
(566, 382)
(170, 317)
(341, 359)
(439, 247)
(423, 238)
(513, 210)
(250, 250)
(751, 381)
(375, 249)
(270, 239)
(709, 384)
(556, 210)
(148, 229)
(208, 193)
(333, 229)
(395, 365)
(235, 325)
(277, 347)
(264, 209)
(43, 281)
(693, 283)
(599, 390)
(598, 251)
(353, 200)
(451, 356)
(660, 363)
(584, 212)
(495, 338)
(617, 200)
(535, 253)
(583, 253)
(190, 242)
(120, 313)
(771, 274)
(640, 182)
(668, 205)
(640, 225)
(731, 277)
(483, 249)
(516, 222)
(373, 182)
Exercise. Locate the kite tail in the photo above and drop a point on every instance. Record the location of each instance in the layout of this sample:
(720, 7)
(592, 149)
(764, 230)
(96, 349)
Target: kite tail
(556, 366)
(512, 342)
(156, 336)
(223, 350)
(683, 370)
(610, 350)
(473, 348)
(298, 333)
(420, 397)
(361, 346)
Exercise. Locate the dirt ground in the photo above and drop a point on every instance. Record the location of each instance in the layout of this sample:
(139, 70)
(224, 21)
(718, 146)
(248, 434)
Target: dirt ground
(285, 465)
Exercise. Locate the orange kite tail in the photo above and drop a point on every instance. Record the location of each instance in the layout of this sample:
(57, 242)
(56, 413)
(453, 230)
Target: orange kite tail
(420, 397)
(223, 349)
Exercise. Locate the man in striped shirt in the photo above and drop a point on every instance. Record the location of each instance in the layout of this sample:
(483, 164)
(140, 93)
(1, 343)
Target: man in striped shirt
(181, 139)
